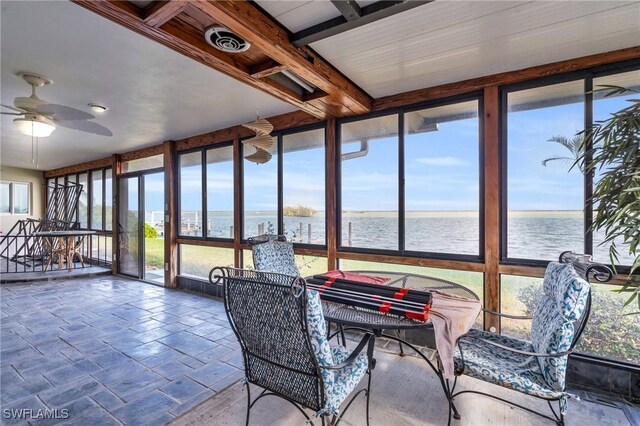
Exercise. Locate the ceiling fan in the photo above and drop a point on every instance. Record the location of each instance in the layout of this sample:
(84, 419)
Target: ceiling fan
(40, 118)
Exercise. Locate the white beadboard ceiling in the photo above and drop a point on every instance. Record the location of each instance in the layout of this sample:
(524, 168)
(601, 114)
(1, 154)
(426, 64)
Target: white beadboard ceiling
(152, 92)
(448, 41)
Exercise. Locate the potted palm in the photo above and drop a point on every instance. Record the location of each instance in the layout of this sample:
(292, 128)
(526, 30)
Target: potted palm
(612, 147)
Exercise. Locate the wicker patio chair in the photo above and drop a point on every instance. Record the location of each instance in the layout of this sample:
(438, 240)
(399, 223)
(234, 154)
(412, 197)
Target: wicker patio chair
(282, 333)
(272, 253)
(536, 367)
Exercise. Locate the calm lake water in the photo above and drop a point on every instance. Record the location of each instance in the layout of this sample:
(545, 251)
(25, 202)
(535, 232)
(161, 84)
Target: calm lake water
(532, 235)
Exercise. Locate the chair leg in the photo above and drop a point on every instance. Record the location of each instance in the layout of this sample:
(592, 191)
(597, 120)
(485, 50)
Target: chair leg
(452, 407)
(248, 402)
(560, 422)
(344, 341)
(368, 394)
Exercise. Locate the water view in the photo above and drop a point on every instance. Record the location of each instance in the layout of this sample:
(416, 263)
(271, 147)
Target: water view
(531, 234)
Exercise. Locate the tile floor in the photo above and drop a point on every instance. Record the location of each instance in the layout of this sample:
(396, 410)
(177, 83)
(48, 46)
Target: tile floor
(111, 350)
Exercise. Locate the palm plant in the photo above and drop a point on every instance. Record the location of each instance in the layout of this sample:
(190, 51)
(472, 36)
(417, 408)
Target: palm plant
(574, 146)
(612, 147)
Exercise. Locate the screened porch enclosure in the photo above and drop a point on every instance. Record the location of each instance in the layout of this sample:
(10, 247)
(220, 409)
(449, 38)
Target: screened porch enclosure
(477, 188)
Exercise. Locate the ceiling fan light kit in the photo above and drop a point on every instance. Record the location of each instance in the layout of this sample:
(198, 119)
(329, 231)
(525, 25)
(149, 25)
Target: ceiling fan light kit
(40, 118)
(34, 125)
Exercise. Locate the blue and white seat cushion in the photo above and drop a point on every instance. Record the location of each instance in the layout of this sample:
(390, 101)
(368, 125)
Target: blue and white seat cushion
(564, 300)
(502, 367)
(275, 256)
(338, 384)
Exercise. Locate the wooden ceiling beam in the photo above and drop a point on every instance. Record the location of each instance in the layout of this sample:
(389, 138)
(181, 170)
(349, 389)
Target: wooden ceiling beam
(184, 39)
(251, 24)
(279, 122)
(160, 12)
(266, 69)
(257, 28)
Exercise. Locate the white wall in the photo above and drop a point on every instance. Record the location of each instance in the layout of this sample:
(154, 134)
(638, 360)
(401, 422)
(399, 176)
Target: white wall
(37, 194)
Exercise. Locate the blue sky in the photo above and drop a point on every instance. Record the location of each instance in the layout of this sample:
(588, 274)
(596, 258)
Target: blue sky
(441, 170)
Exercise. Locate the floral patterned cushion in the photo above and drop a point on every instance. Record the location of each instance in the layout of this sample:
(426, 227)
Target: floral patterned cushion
(275, 256)
(568, 289)
(505, 368)
(564, 300)
(338, 384)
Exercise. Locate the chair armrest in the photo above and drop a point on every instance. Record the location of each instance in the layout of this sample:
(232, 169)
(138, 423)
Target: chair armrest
(518, 317)
(367, 340)
(519, 351)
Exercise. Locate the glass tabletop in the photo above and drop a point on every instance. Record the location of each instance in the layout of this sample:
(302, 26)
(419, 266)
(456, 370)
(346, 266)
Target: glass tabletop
(365, 318)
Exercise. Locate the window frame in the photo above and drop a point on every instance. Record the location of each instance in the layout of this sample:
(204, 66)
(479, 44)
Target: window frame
(88, 188)
(203, 164)
(477, 96)
(92, 173)
(12, 197)
(279, 135)
(587, 75)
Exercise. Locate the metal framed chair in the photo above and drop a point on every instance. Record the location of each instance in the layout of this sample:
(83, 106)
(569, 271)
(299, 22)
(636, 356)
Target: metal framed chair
(272, 253)
(282, 333)
(536, 367)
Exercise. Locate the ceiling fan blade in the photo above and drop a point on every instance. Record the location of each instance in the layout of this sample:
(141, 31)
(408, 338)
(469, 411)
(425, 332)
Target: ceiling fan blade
(13, 108)
(61, 112)
(85, 126)
(11, 113)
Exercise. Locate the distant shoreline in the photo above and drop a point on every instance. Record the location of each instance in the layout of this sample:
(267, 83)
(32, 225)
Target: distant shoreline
(416, 213)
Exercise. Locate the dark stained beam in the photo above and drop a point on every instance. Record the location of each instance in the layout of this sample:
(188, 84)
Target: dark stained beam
(348, 8)
(368, 14)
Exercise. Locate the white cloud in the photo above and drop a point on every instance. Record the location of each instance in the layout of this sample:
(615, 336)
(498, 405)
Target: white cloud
(441, 161)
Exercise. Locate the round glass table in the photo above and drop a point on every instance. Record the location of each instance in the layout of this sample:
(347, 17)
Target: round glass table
(351, 316)
(348, 317)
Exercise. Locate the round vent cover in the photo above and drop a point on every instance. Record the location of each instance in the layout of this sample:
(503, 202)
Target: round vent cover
(223, 39)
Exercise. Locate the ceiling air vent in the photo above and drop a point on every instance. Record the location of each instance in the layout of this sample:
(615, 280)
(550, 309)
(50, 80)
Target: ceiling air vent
(223, 39)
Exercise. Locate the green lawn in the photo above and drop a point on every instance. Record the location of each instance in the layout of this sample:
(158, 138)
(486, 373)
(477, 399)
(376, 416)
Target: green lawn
(154, 252)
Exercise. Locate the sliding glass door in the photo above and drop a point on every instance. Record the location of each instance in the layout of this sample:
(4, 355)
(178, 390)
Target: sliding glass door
(141, 226)
(153, 216)
(129, 226)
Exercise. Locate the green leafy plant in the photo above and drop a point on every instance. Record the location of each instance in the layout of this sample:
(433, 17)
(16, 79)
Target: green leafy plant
(607, 334)
(574, 146)
(612, 147)
(150, 231)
